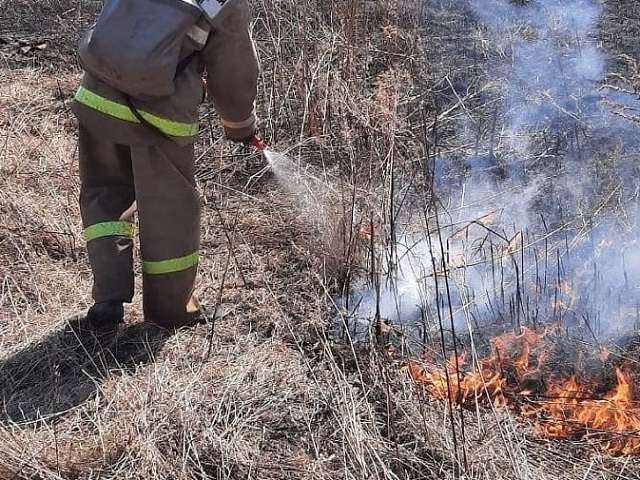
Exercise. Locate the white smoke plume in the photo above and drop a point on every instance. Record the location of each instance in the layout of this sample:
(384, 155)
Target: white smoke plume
(539, 224)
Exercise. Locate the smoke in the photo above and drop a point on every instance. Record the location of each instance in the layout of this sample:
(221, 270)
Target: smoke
(551, 59)
(538, 224)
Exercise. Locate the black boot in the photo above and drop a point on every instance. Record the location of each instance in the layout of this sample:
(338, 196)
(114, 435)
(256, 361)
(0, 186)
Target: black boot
(105, 315)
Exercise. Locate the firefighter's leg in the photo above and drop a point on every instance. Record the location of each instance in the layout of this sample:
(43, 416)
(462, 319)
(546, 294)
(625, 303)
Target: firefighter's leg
(106, 198)
(169, 222)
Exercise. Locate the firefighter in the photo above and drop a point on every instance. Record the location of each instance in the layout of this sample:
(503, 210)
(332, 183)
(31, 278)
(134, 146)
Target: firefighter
(136, 155)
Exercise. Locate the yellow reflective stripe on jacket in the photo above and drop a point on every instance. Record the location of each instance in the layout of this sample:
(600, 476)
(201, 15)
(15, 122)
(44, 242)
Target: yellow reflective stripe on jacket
(109, 229)
(170, 266)
(123, 112)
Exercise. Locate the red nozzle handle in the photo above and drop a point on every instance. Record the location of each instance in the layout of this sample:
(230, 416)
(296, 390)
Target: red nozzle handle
(258, 143)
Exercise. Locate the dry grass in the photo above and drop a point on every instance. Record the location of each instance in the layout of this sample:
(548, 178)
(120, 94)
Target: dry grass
(264, 394)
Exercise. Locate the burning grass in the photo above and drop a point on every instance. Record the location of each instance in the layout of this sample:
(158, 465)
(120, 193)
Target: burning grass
(579, 394)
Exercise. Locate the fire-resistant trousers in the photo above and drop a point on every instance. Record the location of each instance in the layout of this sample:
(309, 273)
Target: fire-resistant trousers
(157, 181)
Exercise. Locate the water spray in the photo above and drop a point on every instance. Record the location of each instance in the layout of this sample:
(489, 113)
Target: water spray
(261, 146)
(307, 191)
(270, 157)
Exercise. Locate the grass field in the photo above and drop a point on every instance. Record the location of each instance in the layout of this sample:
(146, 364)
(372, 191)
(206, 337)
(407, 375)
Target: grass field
(363, 96)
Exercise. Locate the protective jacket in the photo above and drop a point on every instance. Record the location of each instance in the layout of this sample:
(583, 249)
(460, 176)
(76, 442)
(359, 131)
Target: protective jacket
(226, 53)
(126, 166)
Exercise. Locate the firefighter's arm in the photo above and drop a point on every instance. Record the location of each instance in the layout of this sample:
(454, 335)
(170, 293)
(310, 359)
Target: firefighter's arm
(232, 70)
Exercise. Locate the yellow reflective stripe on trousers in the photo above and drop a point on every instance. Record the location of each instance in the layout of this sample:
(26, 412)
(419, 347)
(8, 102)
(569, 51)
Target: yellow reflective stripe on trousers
(123, 112)
(109, 229)
(170, 266)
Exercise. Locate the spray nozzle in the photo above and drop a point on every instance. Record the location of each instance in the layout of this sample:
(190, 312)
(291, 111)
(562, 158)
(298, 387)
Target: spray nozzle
(258, 143)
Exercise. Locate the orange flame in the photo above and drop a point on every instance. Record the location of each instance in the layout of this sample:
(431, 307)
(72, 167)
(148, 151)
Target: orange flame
(517, 375)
